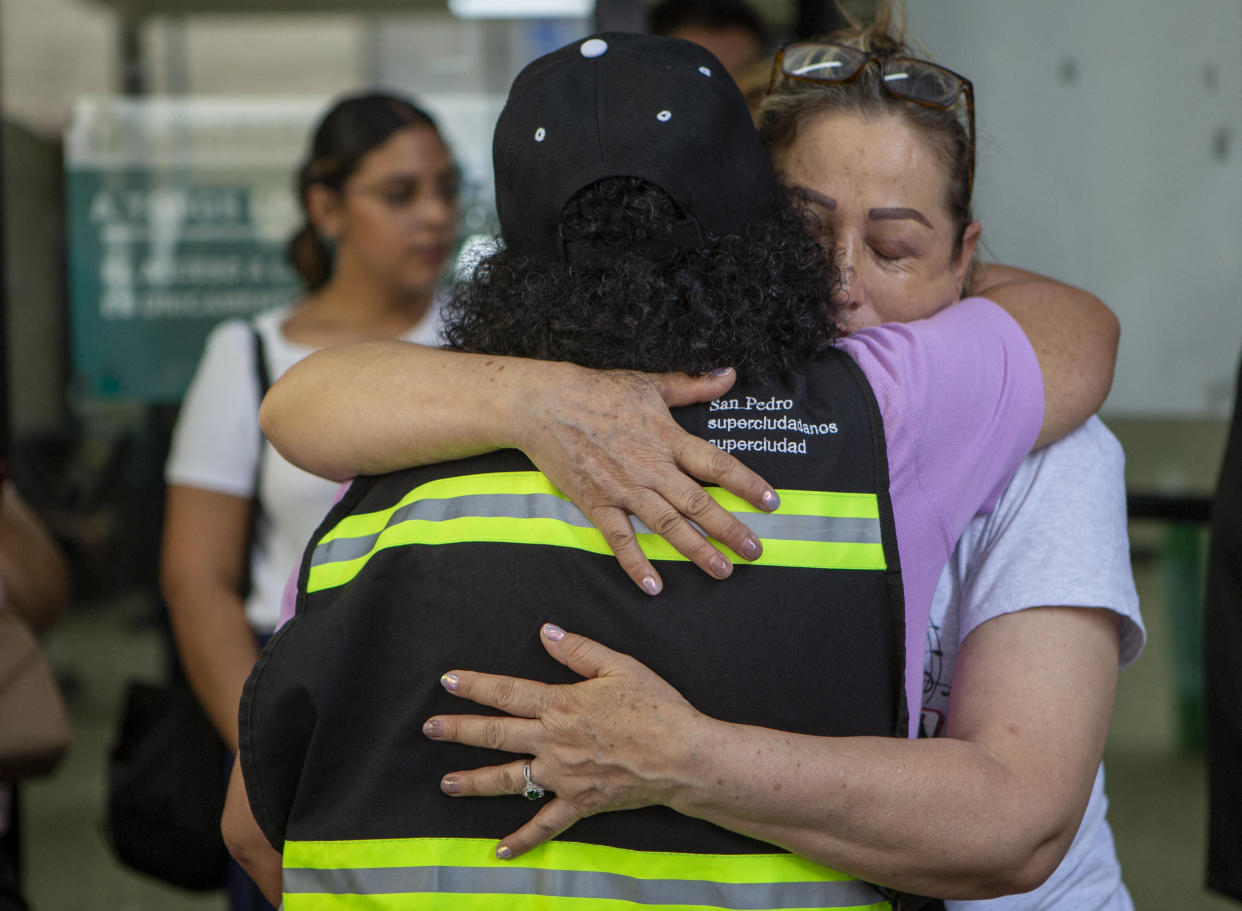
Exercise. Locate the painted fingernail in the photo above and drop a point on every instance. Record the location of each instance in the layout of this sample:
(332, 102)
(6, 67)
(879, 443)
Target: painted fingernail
(553, 632)
(450, 785)
(651, 585)
(722, 371)
(434, 728)
(751, 548)
(450, 682)
(503, 852)
(770, 500)
(720, 567)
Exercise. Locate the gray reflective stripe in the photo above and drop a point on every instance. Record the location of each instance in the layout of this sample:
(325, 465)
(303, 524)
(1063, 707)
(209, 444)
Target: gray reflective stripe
(546, 506)
(577, 884)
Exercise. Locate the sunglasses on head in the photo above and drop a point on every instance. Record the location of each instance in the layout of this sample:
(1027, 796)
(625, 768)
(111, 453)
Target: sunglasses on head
(906, 78)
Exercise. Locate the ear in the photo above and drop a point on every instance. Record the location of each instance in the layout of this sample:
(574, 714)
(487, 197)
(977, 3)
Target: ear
(970, 242)
(323, 206)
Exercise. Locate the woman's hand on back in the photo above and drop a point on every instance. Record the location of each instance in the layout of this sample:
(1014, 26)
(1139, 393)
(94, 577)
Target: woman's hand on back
(608, 441)
(619, 739)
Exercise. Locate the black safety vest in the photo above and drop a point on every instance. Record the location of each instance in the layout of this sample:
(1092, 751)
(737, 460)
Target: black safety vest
(457, 565)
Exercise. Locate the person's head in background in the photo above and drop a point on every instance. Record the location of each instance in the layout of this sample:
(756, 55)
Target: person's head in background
(884, 156)
(730, 29)
(379, 190)
(620, 250)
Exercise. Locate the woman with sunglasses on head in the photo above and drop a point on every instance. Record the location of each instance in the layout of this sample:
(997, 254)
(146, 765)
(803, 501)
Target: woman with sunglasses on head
(379, 191)
(1037, 606)
(939, 817)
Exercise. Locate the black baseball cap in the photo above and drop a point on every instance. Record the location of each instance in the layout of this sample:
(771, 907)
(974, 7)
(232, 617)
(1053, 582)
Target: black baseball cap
(626, 105)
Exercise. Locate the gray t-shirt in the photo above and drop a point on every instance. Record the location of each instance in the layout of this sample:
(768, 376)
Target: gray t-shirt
(1056, 537)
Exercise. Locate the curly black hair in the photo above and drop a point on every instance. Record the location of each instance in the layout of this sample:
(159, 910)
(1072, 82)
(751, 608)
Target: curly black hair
(760, 302)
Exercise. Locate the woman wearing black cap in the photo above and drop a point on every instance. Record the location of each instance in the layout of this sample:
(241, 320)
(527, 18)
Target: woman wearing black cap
(760, 766)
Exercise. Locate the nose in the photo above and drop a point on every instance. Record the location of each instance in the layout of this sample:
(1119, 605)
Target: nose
(850, 290)
(434, 209)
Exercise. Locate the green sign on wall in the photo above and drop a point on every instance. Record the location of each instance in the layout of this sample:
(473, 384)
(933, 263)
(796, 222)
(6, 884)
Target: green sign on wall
(178, 215)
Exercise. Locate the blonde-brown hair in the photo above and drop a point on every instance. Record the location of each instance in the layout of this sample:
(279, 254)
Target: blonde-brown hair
(793, 104)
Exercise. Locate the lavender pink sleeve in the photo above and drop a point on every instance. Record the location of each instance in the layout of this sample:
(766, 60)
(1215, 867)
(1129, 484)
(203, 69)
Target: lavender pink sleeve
(961, 395)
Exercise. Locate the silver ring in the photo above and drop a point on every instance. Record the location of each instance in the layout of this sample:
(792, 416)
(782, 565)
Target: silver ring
(532, 791)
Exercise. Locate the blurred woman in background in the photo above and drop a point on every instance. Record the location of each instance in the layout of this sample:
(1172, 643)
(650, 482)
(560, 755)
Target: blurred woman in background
(379, 190)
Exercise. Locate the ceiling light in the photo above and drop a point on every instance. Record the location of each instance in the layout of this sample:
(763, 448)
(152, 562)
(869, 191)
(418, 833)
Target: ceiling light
(522, 9)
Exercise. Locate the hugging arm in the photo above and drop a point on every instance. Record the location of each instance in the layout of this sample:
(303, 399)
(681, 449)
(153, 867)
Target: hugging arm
(987, 811)
(1075, 337)
(604, 438)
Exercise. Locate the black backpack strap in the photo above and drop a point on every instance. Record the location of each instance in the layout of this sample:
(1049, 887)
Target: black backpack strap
(260, 362)
(264, 382)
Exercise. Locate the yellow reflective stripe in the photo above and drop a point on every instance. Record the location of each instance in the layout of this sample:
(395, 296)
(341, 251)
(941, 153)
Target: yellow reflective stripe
(376, 533)
(307, 901)
(557, 855)
(814, 503)
(807, 502)
(496, 482)
(805, 554)
(463, 874)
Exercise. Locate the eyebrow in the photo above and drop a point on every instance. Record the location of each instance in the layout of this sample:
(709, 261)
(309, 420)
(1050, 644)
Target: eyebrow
(898, 214)
(816, 197)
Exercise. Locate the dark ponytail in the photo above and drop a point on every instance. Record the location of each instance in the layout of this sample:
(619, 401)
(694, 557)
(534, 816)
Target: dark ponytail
(353, 127)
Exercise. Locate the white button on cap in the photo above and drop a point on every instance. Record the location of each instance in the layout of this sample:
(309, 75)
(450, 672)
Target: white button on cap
(594, 47)
(664, 116)
(539, 134)
(705, 71)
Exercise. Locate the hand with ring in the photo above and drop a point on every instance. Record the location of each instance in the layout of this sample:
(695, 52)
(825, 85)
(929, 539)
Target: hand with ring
(532, 791)
(616, 740)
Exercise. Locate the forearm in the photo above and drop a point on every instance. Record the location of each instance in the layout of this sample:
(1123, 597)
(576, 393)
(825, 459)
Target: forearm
(989, 809)
(936, 817)
(1074, 335)
(32, 570)
(246, 841)
(605, 438)
(381, 406)
(216, 645)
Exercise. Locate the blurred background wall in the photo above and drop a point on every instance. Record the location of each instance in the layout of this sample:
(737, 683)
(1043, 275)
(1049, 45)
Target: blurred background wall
(1109, 157)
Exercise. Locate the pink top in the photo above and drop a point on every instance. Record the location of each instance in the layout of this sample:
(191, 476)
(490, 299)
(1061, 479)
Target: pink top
(961, 395)
(962, 398)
